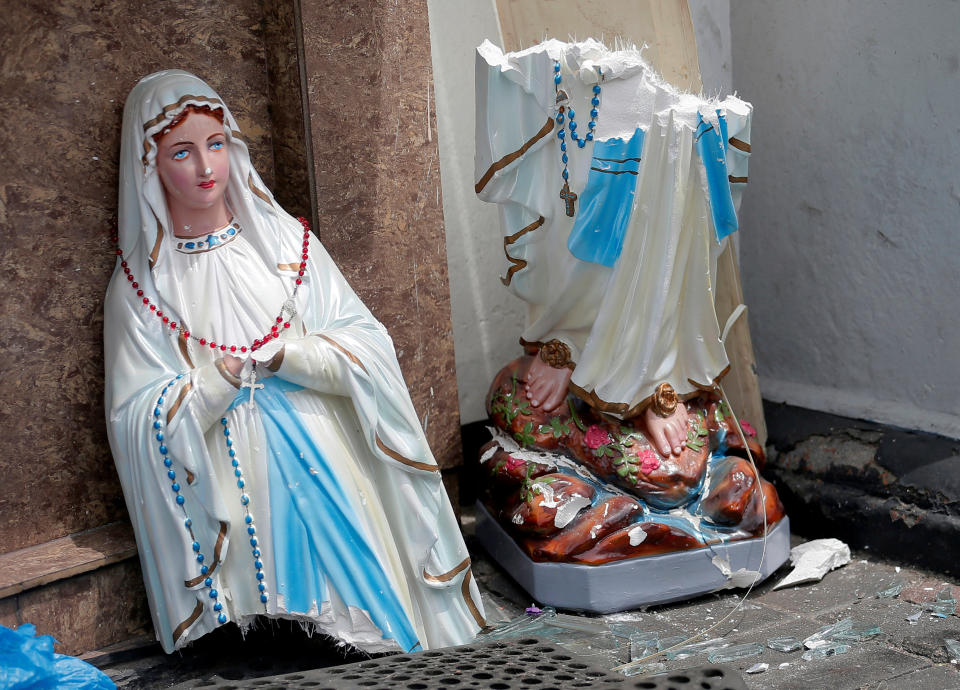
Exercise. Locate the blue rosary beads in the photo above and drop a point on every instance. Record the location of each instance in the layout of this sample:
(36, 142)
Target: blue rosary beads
(568, 115)
(181, 501)
(248, 516)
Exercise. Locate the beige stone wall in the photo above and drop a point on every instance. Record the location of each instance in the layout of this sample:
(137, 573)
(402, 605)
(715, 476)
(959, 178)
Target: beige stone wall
(66, 69)
(373, 131)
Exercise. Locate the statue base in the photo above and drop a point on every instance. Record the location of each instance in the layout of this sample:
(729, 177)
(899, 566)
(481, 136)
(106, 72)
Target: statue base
(636, 582)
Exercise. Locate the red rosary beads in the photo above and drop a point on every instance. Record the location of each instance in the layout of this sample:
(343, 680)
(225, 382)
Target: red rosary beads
(259, 342)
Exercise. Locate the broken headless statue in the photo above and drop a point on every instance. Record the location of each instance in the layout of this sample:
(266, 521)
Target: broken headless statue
(612, 440)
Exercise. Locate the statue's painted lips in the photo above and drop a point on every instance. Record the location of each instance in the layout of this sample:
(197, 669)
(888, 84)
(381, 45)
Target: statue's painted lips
(208, 184)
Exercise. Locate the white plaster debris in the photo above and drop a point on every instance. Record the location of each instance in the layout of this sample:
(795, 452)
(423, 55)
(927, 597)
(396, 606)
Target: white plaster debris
(740, 578)
(785, 664)
(814, 559)
(637, 535)
(567, 511)
(897, 569)
(757, 668)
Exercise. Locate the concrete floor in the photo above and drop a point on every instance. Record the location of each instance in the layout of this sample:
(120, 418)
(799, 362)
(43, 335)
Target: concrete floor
(904, 655)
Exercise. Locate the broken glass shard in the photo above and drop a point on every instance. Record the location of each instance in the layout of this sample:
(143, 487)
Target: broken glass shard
(856, 634)
(942, 607)
(953, 646)
(891, 591)
(824, 634)
(786, 643)
(740, 651)
(689, 650)
(643, 644)
(827, 650)
(671, 641)
(642, 669)
(577, 623)
(757, 668)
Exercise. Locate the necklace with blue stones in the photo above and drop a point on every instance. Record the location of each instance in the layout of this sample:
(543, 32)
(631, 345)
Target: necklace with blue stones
(567, 114)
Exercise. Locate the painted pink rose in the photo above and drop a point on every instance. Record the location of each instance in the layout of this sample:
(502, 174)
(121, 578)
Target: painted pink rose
(649, 461)
(596, 436)
(748, 428)
(514, 463)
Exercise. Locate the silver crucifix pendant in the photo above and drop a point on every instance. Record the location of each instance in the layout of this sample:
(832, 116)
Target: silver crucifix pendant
(252, 384)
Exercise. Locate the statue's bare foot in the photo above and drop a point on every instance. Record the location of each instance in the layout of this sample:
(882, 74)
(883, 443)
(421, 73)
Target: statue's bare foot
(546, 386)
(668, 434)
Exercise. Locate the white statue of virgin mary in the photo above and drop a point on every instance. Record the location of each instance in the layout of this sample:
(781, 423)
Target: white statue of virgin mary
(270, 456)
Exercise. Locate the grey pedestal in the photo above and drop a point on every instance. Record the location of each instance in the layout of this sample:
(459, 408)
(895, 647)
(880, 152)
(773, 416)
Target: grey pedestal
(634, 582)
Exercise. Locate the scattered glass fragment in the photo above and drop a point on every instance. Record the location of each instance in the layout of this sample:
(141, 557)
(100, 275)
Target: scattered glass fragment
(891, 591)
(785, 664)
(856, 634)
(827, 632)
(757, 668)
(914, 617)
(671, 641)
(523, 625)
(578, 623)
(786, 643)
(941, 607)
(689, 650)
(953, 646)
(603, 649)
(740, 651)
(643, 644)
(830, 649)
(643, 669)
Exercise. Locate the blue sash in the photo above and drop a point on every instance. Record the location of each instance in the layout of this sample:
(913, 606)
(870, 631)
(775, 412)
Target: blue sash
(711, 145)
(314, 528)
(607, 200)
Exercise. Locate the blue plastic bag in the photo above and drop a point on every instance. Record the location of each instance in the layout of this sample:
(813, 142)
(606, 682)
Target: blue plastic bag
(28, 661)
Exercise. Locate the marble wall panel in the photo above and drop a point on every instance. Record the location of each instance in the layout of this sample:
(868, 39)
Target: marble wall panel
(292, 151)
(373, 131)
(66, 69)
(90, 611)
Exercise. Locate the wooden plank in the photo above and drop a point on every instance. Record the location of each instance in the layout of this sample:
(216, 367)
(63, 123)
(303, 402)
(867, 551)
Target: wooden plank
(741, 384)
(42, 564)
(664, 25)
(667, 29)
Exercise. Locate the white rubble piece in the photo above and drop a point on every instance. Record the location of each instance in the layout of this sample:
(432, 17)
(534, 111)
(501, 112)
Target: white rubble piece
(814, 559)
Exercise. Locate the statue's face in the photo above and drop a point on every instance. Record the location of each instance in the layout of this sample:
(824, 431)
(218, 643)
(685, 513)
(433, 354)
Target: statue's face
(184, 157)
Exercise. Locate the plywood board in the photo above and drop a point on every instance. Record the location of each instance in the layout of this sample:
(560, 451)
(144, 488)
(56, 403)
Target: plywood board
(663, 25)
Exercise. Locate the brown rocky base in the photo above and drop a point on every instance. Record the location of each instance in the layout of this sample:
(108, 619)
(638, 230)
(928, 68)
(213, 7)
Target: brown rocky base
(557, 516)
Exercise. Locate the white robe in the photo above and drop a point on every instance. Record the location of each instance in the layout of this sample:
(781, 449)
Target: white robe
(649, 317)
(353, 404)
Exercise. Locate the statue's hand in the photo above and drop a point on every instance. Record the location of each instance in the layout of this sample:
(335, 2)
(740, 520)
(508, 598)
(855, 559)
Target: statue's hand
(546, 386)
(667, 433)
(234, 364)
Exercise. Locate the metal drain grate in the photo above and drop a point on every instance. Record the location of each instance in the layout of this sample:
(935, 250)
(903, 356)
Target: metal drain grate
(527, 663)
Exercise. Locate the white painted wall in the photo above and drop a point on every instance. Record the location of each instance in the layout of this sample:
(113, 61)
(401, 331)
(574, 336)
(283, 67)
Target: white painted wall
(487, 319)
(851, 222)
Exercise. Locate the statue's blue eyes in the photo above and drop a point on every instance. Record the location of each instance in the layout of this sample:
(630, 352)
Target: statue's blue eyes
(216, 146)
(180, 155)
